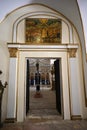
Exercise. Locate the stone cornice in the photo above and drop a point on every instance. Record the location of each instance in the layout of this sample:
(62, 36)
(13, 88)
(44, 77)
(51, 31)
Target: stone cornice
(65, 47)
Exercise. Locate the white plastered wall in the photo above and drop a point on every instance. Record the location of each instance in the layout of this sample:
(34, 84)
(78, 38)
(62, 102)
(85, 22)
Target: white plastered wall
(4, 63)
(21, 32)
(65, 33)
(74, 87)
(80, 77)
(82, 88)
(12, 89)
(75, 36)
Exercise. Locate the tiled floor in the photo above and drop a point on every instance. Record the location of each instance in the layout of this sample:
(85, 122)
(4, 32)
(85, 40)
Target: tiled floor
(43, 115)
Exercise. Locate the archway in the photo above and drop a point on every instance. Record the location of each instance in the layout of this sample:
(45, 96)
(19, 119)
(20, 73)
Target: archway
(59, 51)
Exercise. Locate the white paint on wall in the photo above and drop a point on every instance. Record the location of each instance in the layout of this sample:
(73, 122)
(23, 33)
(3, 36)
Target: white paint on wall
(83, 10)
(11, 107)
(65, 33)
(81, 89)
(75, 37)
(4, 63)
(74, 88)
(21, 32)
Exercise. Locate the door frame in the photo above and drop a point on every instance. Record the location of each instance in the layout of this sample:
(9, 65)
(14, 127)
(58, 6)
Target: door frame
(60, 80)
(58, 85)
(27, 86)
(46, 53)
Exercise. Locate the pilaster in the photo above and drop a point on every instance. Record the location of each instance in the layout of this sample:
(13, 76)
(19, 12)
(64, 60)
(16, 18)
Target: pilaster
(74, 83)
(12, 86)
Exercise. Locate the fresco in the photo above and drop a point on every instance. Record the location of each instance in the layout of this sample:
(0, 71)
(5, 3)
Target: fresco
(42, 30)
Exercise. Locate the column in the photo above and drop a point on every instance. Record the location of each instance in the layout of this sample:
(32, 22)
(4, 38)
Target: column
(74, 84)
(12, 86)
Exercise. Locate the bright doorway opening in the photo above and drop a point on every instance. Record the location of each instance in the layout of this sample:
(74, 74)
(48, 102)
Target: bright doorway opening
(45, 101)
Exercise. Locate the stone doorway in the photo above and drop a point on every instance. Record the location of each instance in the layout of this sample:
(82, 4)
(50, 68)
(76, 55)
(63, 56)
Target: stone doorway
(41, 53)
(44, 106)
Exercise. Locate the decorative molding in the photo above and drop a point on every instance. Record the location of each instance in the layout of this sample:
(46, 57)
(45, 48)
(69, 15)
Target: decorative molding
(13, 52)
(72, 52)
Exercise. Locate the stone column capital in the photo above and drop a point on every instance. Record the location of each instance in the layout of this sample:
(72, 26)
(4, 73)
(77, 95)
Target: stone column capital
(72, 52)
(13, 52)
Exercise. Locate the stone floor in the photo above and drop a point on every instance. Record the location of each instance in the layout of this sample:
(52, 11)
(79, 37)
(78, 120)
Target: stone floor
(45, 105)
(44, 116)
(47, 124)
